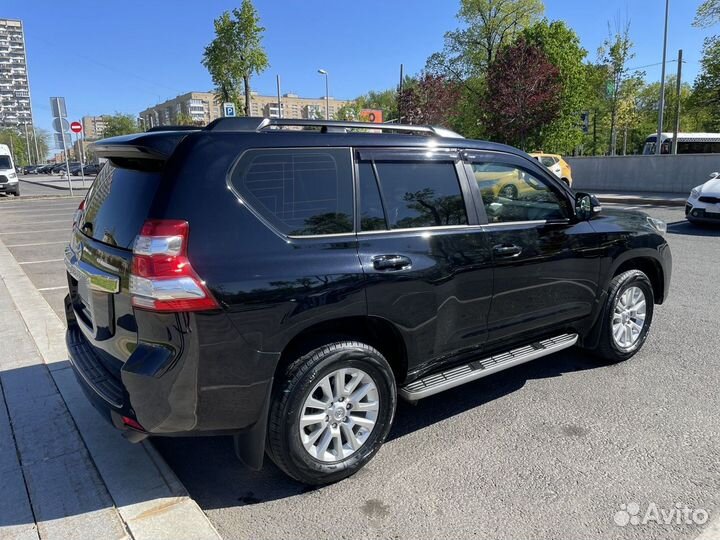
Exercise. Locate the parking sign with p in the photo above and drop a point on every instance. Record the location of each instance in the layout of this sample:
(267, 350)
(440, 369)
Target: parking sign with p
(229, 110)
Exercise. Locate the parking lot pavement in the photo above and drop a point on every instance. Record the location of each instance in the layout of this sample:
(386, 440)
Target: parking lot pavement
(553, 448)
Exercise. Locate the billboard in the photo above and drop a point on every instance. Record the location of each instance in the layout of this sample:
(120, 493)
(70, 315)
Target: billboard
(371, 115)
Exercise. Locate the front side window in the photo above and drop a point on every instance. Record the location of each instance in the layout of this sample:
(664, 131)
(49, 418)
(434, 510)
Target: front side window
(511, 194)
(420, 194)
(299, 191)
(547, 161)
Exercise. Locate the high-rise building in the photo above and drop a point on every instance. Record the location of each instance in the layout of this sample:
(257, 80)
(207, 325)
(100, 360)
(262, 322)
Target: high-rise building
(15, 108)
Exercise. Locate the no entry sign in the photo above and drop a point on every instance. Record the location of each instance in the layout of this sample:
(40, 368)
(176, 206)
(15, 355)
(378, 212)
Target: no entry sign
(76, 127)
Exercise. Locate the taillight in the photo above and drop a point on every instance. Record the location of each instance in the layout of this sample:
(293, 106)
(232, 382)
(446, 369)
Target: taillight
(77, 217)
(162, 278)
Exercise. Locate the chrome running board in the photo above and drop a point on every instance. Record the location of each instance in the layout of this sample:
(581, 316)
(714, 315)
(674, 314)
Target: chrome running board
(477, 369)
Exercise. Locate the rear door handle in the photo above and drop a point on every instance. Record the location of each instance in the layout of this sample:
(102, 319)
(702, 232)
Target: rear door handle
(506, 251)
(387, 263)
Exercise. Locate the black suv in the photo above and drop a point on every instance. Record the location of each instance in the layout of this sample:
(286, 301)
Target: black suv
(284, 281)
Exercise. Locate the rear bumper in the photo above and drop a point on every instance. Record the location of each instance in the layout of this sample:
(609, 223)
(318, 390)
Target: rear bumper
(204, 389)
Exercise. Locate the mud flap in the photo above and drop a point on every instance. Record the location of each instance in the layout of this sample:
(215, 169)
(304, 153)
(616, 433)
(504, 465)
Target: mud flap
(250, 443)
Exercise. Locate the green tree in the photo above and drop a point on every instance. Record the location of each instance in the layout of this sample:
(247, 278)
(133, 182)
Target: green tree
(707, 85)
(120, 124)
(488, 25)
(615, 53)
(562, 47)
(236, 53)
(184, 119)
(707, 14)
(16, 142)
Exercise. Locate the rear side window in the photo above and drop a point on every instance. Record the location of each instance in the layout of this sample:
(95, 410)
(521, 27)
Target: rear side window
(421, 194)
(117, 205)
(299, 191)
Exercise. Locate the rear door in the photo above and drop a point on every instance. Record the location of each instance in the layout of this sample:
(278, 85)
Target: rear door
(545, 262)
(99, 256)
(425, 257)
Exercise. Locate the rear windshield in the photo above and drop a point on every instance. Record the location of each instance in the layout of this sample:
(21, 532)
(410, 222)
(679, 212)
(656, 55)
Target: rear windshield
(117, 205)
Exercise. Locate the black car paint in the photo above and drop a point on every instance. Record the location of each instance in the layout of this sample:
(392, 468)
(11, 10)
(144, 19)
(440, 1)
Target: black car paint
(212, 372)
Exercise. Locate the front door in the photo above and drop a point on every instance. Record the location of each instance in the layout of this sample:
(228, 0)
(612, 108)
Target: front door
(425, 257)
(545, 261)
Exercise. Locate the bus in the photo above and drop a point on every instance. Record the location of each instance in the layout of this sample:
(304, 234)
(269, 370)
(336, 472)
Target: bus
(688, 143)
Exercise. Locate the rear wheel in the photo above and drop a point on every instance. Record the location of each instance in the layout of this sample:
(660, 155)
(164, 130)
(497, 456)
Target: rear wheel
(628, 316)
(17, 190)
(332, 413)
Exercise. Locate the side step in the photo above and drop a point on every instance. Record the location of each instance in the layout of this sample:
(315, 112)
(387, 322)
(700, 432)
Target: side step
(477, 369)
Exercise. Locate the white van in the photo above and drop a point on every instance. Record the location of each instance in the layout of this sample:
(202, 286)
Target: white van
(8, 176)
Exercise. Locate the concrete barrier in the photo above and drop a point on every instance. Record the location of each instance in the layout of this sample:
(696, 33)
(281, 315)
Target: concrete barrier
(663, 174)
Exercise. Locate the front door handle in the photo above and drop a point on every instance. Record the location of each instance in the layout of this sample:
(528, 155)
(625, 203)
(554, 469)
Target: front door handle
(506, 251)
(388, 263)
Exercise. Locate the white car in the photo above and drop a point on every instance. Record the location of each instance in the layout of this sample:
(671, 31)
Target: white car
(703, 205)
(8, 175)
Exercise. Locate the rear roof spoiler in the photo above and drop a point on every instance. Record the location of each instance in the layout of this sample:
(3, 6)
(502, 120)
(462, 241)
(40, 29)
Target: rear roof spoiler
(158, 145)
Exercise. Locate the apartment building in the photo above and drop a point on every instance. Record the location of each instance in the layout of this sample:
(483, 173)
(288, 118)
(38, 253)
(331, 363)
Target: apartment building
(94, 127)
(203, 108)
(15, 107)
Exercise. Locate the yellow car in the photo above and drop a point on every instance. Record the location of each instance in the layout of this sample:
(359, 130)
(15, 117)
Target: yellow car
(556, 164)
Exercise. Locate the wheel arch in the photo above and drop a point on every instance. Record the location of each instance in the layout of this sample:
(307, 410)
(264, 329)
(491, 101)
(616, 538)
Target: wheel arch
(647, 264)
(375, 331)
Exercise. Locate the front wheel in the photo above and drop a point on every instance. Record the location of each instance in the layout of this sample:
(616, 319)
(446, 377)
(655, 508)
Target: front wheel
(332, 413)
(628, 316)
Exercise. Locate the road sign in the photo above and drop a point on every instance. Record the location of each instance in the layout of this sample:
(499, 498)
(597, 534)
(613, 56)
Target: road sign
(76, 127)
(229, 110)
(61, 125)
(57, 104)
(61, 140)
(371, 115)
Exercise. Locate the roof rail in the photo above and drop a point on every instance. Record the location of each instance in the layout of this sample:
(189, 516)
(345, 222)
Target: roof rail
(172, 128)
(324, 126)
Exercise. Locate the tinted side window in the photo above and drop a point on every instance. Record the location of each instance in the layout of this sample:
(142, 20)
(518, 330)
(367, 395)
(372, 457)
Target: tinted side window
(421, 194)
(513, 194)
(372, 217)
(299, 191)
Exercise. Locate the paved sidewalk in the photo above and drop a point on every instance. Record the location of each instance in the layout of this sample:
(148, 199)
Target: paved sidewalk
(65, 473)
(59, 183)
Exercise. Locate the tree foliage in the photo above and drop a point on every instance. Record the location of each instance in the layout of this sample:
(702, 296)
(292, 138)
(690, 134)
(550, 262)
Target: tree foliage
(488, 25)
(707, 84)
(562, 47)
(120, 124)
(236, 53)
(523, 94)
(432, 100)
(707, 14)
(22, 155)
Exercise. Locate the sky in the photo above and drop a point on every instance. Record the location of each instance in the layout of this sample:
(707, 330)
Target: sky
(126, 55)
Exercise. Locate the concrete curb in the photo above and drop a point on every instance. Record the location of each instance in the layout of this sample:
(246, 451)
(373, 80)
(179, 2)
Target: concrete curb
(62, 188)
(150, 499)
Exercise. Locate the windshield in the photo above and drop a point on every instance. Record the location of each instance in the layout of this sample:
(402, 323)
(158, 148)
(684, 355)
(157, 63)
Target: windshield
(5, 162)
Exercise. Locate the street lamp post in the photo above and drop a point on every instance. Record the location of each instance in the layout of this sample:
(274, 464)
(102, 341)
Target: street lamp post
(327, 93)
(658, 148)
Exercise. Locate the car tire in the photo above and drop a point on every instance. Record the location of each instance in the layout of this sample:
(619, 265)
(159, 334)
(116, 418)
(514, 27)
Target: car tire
(567, 182)
(17, 191)
(620, 339)
(310, 381)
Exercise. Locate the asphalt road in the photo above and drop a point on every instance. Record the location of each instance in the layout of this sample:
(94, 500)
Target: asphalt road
(550, 449)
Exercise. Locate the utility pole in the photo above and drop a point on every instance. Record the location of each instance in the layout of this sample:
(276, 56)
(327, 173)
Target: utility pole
(37, 151)
(280, 115)
(27, 145)
(677, 106)
(658, 146)
(327, 93)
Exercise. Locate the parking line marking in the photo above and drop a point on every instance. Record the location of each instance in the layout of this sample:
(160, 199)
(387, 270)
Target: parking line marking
(51, 221)
(39, 262)
(39, 230)
(53, 288)
(36, 244)
(49, 214)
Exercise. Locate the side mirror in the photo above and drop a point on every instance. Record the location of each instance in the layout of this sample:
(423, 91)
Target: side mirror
(586, 206)
(714, 176)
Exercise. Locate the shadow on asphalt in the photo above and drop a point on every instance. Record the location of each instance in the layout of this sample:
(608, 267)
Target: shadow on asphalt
(686, 228)
(216, 479)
